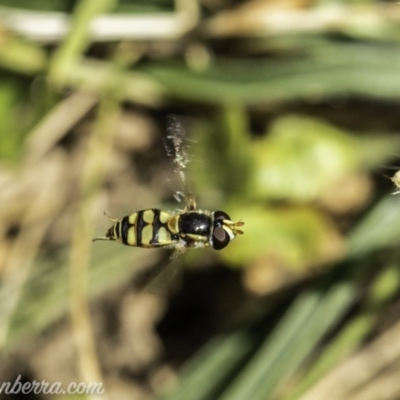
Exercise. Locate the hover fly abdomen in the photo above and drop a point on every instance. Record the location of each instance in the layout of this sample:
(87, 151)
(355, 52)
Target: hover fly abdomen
(145, 228)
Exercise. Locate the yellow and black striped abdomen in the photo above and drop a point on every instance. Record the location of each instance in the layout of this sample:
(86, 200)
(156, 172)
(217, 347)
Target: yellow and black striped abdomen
(145, 228)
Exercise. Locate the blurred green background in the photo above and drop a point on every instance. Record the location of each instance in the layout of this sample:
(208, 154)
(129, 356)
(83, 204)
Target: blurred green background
(291, 111)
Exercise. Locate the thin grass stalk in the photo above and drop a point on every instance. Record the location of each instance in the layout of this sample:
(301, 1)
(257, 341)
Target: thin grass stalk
(357, 372)
(78, 38)
(57, 123)
(34, 225)
(92, 177)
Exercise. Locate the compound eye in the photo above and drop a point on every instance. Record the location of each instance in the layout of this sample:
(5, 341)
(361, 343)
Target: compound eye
(220, 215)
(221, 238)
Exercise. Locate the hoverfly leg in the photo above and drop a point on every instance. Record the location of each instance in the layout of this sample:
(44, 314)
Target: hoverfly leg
(110, 218)
(190, 202)
(100, 238)
(179, 196)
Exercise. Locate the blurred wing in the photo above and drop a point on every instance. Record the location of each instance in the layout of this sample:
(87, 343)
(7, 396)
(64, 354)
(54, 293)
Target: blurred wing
(162, 276)
(177, 147)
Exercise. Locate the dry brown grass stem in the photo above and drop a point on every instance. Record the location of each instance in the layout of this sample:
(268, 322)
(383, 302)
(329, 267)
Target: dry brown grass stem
(373, 370)
(45, 204)
(92, 176)
(260, 18)
(57, 123)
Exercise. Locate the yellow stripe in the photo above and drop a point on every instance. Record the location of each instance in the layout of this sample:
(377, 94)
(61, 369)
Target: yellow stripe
(116, 236)
(173, 225)
(164, 237)
(148, 216)
(131, 240)
(164, 217)
(147, 235)
(133, 218)
(197, 238)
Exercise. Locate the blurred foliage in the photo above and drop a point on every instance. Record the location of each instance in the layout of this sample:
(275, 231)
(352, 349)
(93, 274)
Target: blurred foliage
(319, 156)
(291, 112)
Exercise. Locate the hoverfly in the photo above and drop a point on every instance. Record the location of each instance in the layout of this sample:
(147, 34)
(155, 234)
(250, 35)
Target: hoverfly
(180, 229)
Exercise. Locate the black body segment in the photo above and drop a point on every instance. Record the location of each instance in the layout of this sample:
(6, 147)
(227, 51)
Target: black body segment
(140, 224)
(194, 223)
(123, 231)
(157, 225)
